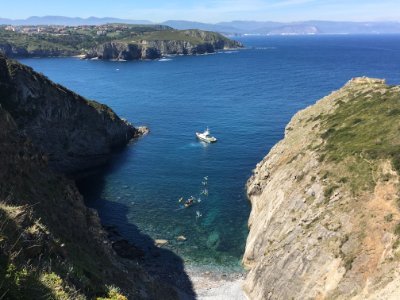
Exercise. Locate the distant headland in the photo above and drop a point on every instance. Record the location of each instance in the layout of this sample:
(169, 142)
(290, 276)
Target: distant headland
(110, 41)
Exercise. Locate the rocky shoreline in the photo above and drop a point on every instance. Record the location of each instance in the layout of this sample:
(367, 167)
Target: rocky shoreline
(201, 282)
(217, 286)
(143, 49)
(124, 52)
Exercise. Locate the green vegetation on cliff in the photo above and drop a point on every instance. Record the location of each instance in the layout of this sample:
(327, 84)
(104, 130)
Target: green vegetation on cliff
(363, 130)
(192, 36)
(366, 125)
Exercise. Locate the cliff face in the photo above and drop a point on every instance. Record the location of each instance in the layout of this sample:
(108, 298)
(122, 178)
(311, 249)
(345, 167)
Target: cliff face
(51, 245)
(325, 216)
(153, 49)
(75, 133)
(15, 51)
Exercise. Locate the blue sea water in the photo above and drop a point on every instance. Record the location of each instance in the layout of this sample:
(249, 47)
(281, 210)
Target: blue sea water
(246, 97)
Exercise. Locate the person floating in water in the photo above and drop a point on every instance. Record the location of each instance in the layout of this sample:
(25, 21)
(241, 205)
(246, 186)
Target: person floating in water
(190, 201)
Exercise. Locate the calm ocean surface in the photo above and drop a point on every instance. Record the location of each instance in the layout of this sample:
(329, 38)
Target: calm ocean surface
(246, 97)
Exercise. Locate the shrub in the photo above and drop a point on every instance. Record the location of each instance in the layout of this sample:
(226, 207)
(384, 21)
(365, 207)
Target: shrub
(114, 293)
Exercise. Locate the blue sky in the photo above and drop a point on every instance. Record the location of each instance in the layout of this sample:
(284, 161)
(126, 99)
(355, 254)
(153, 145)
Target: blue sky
(210, 10)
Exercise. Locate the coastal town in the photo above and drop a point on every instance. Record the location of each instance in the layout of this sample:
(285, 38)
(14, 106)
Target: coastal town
(99, 30)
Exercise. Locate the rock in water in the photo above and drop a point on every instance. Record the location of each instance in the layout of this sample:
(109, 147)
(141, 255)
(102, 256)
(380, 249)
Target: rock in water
(160, 242)
(181, 238)
(143, 130)
(213, 240)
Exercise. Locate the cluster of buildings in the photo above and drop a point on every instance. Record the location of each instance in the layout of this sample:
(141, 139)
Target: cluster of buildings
(37, 29)
(60, 30)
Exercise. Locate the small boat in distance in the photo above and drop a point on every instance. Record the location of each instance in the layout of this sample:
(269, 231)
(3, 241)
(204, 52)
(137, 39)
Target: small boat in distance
(206, 137)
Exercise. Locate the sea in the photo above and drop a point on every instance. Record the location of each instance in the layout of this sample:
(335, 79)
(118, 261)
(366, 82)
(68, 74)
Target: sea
(245, 97)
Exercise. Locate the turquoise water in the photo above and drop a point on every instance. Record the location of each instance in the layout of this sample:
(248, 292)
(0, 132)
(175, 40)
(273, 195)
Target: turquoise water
(246, 97)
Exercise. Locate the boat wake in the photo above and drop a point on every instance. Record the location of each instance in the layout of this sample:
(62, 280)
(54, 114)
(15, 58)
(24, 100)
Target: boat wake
(229, 52)
(264, 48)
(195, 145)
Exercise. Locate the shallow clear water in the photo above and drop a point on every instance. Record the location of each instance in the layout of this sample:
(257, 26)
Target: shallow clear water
(246, 98)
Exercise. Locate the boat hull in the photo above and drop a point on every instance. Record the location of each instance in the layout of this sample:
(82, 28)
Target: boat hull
(205, 139)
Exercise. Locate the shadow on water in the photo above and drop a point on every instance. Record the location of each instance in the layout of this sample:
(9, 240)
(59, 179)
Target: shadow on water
(163, 264)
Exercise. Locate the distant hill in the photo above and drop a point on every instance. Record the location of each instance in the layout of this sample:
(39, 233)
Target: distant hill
(67, 21)
(354, 27)
(230, 28)
(306, 27)
(183, 25)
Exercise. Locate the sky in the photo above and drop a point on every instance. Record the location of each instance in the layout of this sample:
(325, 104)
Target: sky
(211, 11)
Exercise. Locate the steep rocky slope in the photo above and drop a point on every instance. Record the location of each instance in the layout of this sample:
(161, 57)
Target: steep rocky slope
(75, 133)
(325, 201)
(51, 245)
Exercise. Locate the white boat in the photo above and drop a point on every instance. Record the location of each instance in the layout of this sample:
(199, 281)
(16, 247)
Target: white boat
(206, 137)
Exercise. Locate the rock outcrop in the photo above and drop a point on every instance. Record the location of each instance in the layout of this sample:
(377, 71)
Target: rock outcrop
(75, 133)
(325, 218)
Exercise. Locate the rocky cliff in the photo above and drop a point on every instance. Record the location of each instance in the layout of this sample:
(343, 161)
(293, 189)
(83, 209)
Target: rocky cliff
(113, 41)
(76, 134)
(325, 221)
(11, 50)
(188, 42)
(51, 245)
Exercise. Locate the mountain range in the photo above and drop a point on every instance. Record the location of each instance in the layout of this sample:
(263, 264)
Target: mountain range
(68, 21)
(232, 27)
